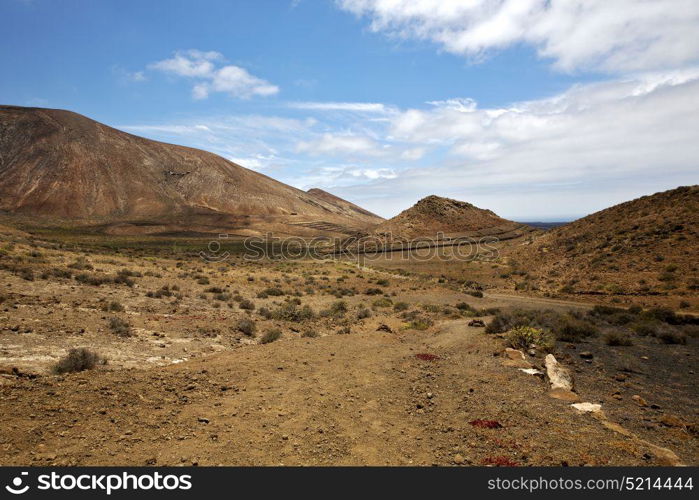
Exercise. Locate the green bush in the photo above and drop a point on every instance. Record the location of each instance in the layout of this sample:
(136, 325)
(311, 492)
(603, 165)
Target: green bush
(526, 337)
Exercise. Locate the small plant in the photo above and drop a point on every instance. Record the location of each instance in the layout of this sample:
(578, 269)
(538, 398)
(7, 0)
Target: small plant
(81, 264)
(310, 334)
(497, 325)
(113, 306)
(246, 305)
(382, 302)
(271, 292)
(120, 327)
(289, 311)
(345, 330)
(527, 337)
(78, 360)
(247, 326)
(475, 293)
(574, 330)
(271, 336)
(363, 313)
(336, 309)
(401, 306)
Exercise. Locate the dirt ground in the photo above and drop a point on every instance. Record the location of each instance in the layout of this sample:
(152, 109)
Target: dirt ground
(368, 383)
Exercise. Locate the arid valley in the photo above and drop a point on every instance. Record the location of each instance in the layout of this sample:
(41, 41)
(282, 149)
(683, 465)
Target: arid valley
(133, 333)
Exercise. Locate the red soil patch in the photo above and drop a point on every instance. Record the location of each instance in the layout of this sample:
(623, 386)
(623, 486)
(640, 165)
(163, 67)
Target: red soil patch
(499, 462)
(486, 424)
(427, 357)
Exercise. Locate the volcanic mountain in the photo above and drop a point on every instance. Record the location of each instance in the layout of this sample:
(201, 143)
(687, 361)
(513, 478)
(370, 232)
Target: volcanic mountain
(647, 246)
(434, 214)
(60, 165)
(350, 209)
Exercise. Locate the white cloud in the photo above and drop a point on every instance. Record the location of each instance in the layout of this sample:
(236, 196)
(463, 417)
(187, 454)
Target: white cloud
(592, 145)
(362, 107)
(202, 67)
(336, 144)
(609, 35)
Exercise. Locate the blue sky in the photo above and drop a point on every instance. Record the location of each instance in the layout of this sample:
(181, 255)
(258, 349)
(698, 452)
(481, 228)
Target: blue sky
(536, 110)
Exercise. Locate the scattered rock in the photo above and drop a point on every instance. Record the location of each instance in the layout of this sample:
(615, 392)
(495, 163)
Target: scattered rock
(531, 371)
(639, 400)
(384, 328)
(477, 323)
(587, 407)
(563, 395)
(671, 421)
(458, 459)
(586, 355)
(203, 420)
(514, 354)
(559, 376)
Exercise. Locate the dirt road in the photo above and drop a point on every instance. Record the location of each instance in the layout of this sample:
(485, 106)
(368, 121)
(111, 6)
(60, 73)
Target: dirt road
(353, 399)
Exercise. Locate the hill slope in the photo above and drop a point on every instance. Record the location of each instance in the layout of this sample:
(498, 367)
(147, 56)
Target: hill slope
(646, 246)
(434, 214)
(56, 163)
(348, 208)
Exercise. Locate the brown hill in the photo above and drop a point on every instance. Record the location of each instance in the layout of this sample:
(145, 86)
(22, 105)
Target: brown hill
(647, 246)
(59, 164)
(348, 208)
(433, 215)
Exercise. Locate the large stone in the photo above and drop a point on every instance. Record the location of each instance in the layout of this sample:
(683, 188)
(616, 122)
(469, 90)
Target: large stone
(587, 407)
(559, 376)
(564, 395)
(514, 354)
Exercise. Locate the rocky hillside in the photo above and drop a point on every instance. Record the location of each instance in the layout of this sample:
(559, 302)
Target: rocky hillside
(647, 246)
(59, 164)
(348, 208)
(434, 214)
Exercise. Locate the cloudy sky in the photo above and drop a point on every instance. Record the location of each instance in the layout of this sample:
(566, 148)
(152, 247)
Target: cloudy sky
(537, 109)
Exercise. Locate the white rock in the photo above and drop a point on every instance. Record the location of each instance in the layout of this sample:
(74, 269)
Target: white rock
(559, 376)
(531, 371)
(587, 407)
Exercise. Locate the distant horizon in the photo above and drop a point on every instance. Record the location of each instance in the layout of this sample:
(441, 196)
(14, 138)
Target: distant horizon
(383, 103)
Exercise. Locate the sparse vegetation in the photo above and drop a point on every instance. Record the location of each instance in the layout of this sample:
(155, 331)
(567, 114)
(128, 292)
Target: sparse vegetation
(271, 336)
(247, 326)
(527, 337)
(120, 327)
(78, 360)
